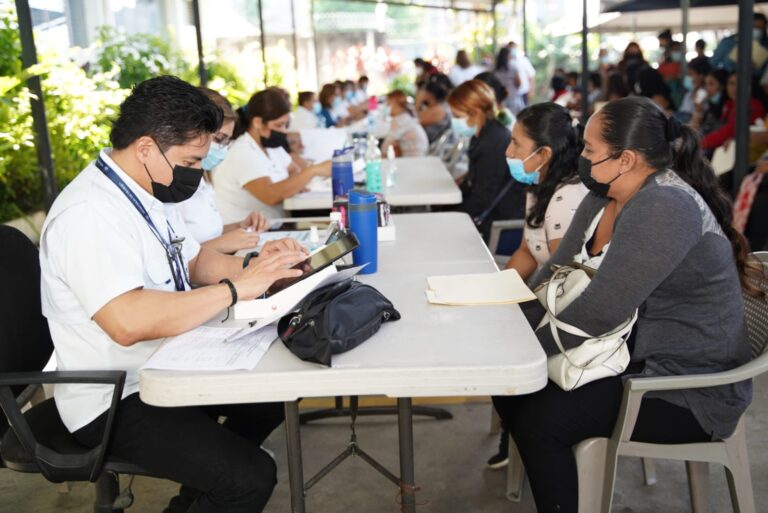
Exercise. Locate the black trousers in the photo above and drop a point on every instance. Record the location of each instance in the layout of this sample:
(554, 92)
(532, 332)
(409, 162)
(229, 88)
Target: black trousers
(547, 424)
(221, 466)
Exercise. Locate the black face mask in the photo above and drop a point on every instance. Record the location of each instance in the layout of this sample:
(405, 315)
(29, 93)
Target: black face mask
(184, 184)
(585, 173)
(276, 140)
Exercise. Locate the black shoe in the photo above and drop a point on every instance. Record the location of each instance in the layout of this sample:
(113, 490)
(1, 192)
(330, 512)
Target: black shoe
(500, 459)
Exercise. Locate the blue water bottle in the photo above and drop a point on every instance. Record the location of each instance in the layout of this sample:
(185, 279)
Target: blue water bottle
(363, 222)
(342, 175)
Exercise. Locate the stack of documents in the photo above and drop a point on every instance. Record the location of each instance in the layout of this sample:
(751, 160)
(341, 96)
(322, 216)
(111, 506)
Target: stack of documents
(504, 287)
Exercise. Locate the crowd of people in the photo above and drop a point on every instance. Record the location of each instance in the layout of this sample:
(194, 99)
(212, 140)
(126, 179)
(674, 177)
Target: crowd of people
(630, 190)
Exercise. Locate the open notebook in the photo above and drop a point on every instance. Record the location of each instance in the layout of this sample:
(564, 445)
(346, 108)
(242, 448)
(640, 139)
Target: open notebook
(503, 287)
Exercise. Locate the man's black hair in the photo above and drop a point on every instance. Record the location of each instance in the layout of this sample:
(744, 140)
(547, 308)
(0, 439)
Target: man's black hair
(305, 96)
(758, 16)
(167, 109)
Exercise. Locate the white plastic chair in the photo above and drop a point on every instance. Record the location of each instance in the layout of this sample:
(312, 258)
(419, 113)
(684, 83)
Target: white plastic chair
(596, 458)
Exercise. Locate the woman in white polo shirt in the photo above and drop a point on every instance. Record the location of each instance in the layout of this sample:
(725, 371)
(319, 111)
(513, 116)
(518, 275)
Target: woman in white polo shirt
(257, 173)
(543, 154)
(200, 213)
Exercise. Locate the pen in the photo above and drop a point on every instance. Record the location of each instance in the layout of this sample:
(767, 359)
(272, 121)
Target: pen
(239, 332)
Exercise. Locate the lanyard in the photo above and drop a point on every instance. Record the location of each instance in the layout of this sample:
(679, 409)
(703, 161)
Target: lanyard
(172, 248)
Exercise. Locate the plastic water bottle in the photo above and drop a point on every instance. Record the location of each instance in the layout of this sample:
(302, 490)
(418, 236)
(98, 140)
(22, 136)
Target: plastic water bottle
(363, 222)
(373, 166)
(342, 175)
(391, 166)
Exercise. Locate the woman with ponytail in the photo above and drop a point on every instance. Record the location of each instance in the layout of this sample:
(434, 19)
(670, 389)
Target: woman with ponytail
(664, 237)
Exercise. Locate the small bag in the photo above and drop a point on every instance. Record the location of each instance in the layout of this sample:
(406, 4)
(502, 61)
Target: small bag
(334, 319)
(595, 358)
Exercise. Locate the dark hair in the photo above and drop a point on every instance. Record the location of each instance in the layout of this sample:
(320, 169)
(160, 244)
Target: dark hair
(558, 82)
(462, 59)
(701, 44)
(636, 123)
(268, 105)
(666, 34)
(652, 83)
(758, 16)
(167, 109)
(572, 75)
(439, 86)
(595, 79)
(363, 78)
(326, 95)
(700, 65)
(217, 98)
(499, 89)
(615, 86)
(398, 96)
(550, 124)
(502, 60)
(305, 96)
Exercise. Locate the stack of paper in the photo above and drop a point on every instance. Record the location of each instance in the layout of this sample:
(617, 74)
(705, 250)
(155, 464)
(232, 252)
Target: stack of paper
(504, 287)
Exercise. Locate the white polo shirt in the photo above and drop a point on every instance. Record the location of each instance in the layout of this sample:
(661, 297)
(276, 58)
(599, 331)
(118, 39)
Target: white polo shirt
(246, 162)
(94, 247)
(303, 118)
(201, 214)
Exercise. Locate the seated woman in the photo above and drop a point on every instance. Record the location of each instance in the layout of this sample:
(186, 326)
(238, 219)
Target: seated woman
(488, 192)
(405, 133)
(504, 115)
(727, 131)
(674, 256)
(696, 93)
(434, 113)
(707, 115)
(258, 174)
(329, 100)
(544, 155)
(651, 84)
(200, 213)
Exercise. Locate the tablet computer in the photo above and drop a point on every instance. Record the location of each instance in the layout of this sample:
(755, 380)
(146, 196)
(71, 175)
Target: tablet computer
(343, 244)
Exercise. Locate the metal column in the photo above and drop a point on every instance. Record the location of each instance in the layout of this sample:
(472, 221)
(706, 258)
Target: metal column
(584, 65)
(743, 92)
(407, 477)
(199, 34)
(295, 465)
(263, 40)
(39, 122)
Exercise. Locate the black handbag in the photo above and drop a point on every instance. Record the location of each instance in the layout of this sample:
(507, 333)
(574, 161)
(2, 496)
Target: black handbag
(334, 319)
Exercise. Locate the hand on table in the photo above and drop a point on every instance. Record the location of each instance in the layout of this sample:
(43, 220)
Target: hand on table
(237, 239)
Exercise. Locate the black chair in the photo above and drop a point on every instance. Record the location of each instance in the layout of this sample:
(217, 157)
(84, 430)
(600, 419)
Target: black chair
(38, 441)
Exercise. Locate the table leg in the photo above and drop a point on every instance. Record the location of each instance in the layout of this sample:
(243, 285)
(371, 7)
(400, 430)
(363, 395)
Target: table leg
(295, 466)
(405, 430)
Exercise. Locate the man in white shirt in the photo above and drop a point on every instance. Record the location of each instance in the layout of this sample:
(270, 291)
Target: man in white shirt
(117, 266)
(306, 114)
(525, 70)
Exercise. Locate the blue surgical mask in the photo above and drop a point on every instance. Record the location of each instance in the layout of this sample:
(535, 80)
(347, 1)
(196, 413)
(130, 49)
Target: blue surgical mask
(350, 96)
(518, 172)
(513, 52)
(316, 107)
(757, 34)
(216, 154)
(677, 56)
(688, 83)
(460, 126)
(336, 102)
(716, 97)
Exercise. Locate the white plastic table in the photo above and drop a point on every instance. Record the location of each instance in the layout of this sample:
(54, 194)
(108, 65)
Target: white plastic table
(432, 351)
(419, 181)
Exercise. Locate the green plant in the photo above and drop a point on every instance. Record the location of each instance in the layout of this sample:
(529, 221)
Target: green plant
(136, 57)
(404, 83)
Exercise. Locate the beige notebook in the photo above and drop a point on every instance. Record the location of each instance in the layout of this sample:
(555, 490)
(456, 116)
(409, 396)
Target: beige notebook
(504, 287)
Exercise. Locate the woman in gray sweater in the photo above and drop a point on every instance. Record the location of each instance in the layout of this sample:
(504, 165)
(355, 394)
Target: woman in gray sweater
(667, 248)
